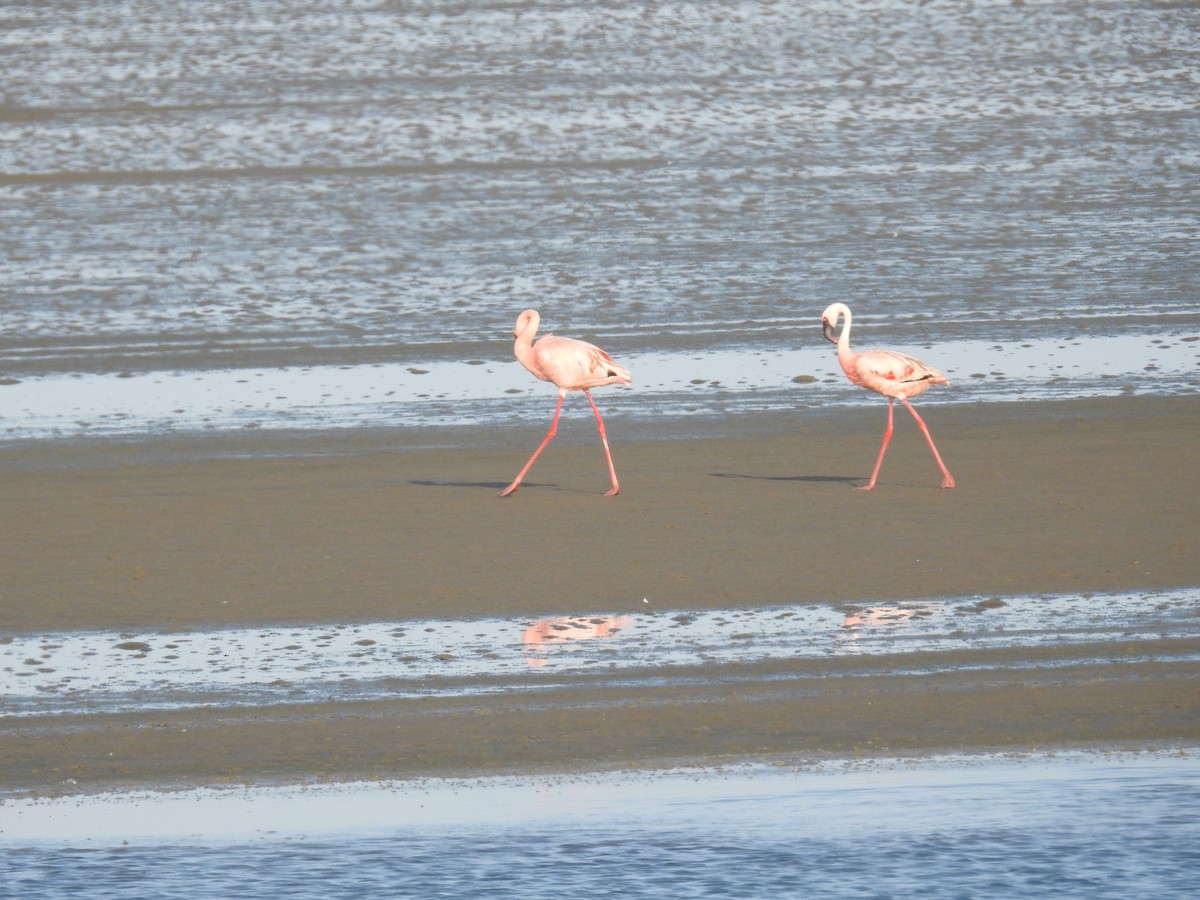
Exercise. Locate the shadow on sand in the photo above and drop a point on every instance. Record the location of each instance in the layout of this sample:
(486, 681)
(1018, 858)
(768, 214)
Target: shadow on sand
(490, 485)
(813, 479)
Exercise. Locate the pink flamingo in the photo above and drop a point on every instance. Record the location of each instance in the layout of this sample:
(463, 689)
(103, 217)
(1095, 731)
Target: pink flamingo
(571, 365)
(895, 375)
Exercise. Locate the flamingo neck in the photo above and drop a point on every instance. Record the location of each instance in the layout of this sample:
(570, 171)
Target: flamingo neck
(845, 354)
(523, 345)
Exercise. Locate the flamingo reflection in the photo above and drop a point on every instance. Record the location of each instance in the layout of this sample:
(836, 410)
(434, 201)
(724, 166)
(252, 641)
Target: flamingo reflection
(892, 620)
(876, 616)
(547, 633)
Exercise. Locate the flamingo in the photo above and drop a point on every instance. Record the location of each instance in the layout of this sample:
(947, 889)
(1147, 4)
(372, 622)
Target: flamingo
(895, 375)
(571, 365)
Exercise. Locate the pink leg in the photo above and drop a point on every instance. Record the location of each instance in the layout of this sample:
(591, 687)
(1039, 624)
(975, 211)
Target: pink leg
(542, 446)
(887, 436)
(947, 478)
(612, 472)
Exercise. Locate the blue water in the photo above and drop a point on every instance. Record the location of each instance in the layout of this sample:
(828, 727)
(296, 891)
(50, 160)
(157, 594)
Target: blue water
(217, 218)
(1072, 825)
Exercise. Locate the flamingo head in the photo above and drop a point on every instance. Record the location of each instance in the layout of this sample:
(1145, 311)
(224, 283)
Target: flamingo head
(830, 330)
(527, 321)
(829, 320)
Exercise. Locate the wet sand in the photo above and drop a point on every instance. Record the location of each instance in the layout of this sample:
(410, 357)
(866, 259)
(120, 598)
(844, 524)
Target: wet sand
(1097, 495)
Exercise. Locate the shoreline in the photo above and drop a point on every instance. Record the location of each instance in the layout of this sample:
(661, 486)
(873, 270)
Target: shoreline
(290, 812)
(758, 713)
(1083, 496)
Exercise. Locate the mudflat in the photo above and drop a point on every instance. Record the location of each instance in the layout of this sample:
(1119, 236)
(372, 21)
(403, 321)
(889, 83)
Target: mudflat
(180, 533)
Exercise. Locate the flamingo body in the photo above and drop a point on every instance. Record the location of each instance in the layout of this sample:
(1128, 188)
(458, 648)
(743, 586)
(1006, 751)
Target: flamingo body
(890, 373)
(570, 365)
(895, 375)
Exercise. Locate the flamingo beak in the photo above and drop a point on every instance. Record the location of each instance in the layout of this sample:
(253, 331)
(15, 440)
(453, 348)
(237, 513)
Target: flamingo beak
(830, 334)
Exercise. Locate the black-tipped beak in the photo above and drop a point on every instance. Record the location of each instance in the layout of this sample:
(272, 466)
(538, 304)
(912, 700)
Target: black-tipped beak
(830, 334)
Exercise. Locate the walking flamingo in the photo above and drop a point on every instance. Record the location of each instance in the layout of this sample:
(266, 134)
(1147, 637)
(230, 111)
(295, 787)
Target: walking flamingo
(895, 375)
(571, 365)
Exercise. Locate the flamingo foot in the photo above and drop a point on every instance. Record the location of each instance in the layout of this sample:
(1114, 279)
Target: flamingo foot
(866, 487)
(616, 489)
(948, 481)
(511, 489)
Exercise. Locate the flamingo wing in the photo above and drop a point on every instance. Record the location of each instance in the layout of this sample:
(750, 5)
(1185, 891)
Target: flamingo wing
(577, 365)
(894, 374)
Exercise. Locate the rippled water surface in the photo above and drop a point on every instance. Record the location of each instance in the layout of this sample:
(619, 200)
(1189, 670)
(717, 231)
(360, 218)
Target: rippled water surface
(98, 672)
(1012, 826)
(259, 187)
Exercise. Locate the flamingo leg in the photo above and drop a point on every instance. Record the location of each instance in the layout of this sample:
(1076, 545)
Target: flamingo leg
(947, 478)
(887, 436)
(612, 472)
(542, 446)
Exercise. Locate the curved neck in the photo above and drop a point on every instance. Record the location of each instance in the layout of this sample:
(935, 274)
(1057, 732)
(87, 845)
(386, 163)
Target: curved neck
(832, 335)
(844, 337)
(527, 326)
(845, 354)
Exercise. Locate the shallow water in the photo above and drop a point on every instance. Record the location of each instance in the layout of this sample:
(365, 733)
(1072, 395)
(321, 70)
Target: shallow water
(98, 672)
(215, 200)
(668, 386)
(1013, 825)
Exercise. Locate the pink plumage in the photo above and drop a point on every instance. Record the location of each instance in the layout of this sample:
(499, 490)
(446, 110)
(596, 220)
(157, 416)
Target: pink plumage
(897, 376)
(891, 373)
(571, 365)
